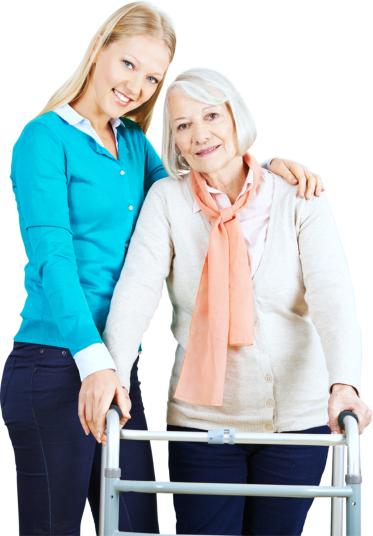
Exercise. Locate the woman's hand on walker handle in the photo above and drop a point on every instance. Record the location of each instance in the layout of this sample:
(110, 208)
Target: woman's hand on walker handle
(96, 394)
(309, 183)
(345, 398)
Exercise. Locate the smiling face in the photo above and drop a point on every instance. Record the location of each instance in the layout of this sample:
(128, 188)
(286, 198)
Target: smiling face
(127, 73)
(205, 134)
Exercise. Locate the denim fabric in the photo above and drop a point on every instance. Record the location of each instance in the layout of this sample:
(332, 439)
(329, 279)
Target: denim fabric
(240, 464)
(58, 466)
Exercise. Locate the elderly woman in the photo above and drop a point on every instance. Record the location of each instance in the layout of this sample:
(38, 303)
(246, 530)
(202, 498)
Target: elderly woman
(263, 311)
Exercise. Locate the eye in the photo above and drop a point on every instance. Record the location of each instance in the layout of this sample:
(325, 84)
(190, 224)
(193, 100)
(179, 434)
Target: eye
(183, 126)
(129, 65)
(212, 116)
(153, 80)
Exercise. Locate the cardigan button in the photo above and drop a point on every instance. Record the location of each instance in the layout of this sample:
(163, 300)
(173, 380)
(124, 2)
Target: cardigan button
(268, 378)
(122, 172)
(263, 349)
(126, 244)
(130, 207)
(269, 427)
(256, 322)
(270, 403)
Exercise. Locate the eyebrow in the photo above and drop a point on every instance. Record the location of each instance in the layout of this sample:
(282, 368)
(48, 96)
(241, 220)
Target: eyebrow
(203, 110)
(139, 63)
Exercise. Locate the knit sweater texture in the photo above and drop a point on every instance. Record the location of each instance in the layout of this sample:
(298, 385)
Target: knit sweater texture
(307, 336)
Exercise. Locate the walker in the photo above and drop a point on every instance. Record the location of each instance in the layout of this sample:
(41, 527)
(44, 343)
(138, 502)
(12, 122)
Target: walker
(111, 484)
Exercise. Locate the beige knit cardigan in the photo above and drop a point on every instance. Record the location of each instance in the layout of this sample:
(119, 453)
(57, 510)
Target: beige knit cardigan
(307, 335)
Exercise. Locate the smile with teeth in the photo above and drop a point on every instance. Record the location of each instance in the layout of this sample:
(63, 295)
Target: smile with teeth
(208, 150)
(121, 96)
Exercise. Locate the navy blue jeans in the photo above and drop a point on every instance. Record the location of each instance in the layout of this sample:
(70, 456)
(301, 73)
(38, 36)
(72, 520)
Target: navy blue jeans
(241, 464)
(58, 466)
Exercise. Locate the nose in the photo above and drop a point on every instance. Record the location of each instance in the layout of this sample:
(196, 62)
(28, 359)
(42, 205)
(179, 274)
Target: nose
(134, 87)
(201, 133)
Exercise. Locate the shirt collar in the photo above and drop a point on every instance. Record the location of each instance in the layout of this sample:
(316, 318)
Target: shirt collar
(248, 184)
(73, 118)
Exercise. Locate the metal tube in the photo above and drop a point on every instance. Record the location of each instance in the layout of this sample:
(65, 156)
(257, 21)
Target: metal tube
(102, 491)
(353, 476)
(255, 439)
(113, 437)
(336, 528)
(111, 510)
(353, 446)
(353, 511)
(259, 490)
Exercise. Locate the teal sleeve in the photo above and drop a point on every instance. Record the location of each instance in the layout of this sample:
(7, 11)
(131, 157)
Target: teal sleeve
(39, 178)
(154, 169)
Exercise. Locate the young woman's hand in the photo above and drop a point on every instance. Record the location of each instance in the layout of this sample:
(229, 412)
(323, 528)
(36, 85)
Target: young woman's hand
(103, 437)
(97, 393)
(309, 183)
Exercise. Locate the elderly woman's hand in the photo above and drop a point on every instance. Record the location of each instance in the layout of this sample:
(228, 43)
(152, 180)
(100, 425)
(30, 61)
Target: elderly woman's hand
(345, 398)
(309, 183)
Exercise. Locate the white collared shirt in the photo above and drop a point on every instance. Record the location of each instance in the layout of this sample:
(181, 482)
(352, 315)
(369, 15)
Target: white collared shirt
(81, 123)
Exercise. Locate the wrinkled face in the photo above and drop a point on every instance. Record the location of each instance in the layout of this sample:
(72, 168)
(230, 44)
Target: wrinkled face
(205, 134)
(128, 72)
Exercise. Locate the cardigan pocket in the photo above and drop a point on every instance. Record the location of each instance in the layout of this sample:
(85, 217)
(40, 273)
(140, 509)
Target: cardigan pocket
(8, 370)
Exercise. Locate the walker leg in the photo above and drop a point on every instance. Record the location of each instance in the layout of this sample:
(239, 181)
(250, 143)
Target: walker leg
(102, 491)
(336, 528)
(111, 519)
(353, 512)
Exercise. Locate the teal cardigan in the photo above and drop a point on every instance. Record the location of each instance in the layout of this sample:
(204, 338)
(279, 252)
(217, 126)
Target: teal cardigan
(78, 207)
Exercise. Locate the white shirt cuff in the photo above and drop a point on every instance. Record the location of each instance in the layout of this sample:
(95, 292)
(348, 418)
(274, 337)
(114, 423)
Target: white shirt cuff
(92, 359)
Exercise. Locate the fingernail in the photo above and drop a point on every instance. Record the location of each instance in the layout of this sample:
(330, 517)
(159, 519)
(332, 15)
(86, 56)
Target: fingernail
(334, 432)
(86, 432)
(98, 435)
(318, 192)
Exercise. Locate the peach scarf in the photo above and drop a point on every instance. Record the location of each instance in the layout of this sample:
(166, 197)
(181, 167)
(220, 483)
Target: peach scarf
(223, 312)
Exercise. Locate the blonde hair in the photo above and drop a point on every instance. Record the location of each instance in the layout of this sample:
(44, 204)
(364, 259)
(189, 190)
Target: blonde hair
(210, 87)
(137, 18)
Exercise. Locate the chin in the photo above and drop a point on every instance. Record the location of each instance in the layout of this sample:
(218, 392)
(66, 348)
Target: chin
(211, 167)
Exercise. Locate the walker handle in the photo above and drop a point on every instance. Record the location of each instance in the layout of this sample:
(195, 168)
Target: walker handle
(117, 409)
(344, 414)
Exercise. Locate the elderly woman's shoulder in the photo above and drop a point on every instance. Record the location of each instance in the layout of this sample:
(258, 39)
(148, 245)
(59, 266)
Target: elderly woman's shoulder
(288, 197)
(169, 186)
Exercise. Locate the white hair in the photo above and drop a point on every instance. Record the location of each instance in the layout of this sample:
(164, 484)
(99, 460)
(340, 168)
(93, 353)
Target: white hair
(210, 87)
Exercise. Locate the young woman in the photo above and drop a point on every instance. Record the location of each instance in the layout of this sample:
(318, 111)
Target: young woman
(80, 172)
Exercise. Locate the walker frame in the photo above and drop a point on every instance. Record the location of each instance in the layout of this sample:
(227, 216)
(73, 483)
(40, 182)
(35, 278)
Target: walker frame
(111, 485)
